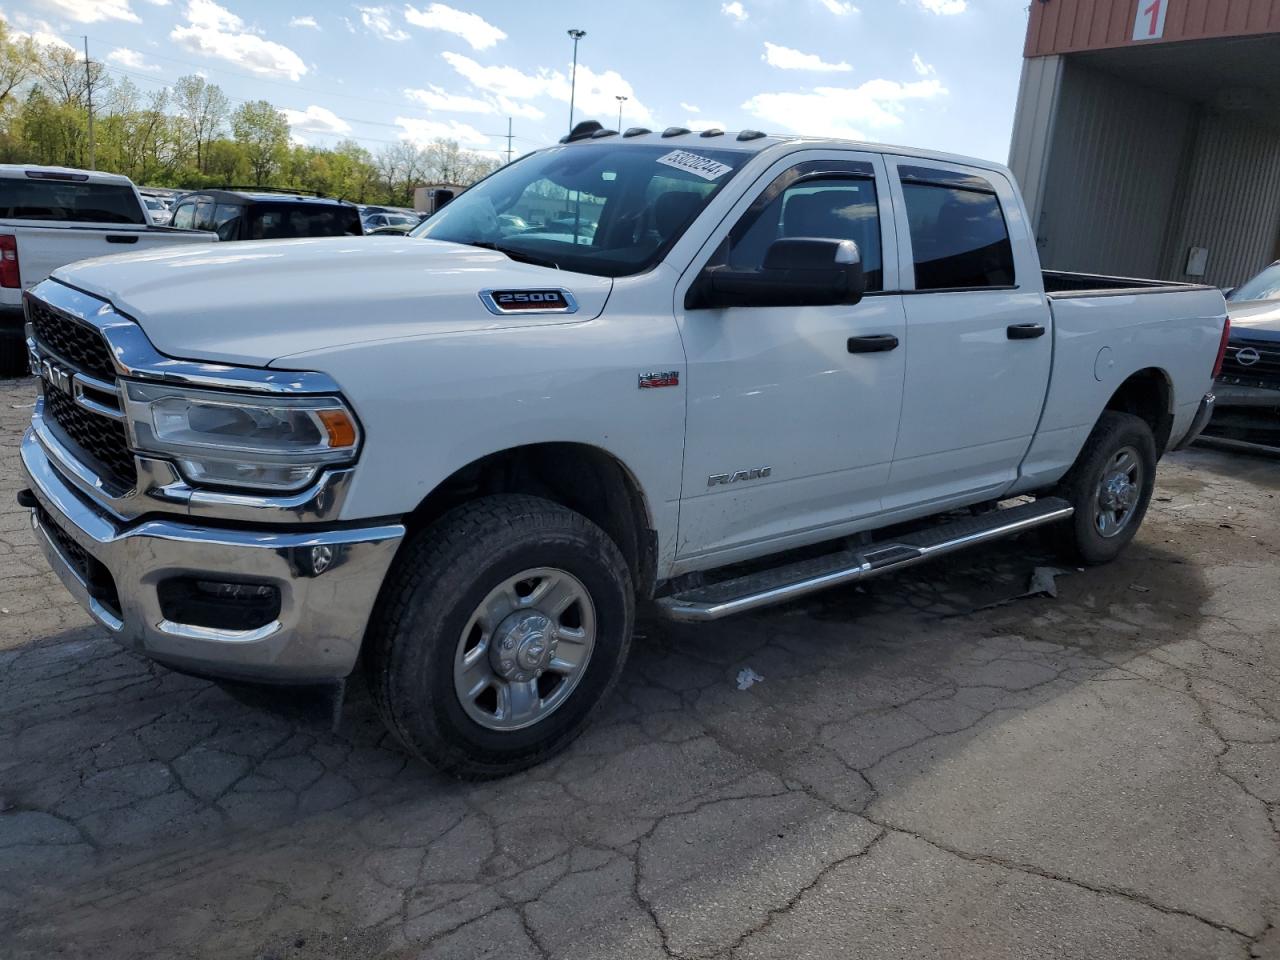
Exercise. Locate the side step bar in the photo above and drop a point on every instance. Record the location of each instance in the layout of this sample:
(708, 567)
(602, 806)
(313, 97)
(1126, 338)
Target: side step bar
(799, 579)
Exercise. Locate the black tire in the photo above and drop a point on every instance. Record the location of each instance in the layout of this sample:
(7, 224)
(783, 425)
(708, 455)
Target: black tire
(440, 577)
(1080, 537)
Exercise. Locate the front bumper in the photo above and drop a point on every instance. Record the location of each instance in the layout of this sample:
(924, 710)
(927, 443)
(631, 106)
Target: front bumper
(323, 615)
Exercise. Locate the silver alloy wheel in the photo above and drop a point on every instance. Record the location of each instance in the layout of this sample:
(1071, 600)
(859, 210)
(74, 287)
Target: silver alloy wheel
(1118, 491)
(524, 649)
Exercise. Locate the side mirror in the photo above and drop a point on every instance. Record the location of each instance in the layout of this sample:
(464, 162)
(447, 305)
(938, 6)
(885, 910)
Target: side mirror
(797, 272)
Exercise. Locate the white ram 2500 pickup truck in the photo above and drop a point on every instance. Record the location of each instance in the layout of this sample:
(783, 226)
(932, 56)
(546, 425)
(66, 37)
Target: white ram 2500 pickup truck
(600, 376)
(51, 216)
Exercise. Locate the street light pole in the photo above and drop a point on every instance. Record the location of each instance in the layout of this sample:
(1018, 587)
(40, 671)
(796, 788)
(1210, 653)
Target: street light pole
(573, 80)
(621, 100)
(88, 91)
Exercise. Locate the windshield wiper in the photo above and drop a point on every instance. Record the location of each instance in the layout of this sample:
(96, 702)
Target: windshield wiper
(518, 255)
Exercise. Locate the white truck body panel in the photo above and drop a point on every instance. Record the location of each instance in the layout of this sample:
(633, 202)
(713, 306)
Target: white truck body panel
(959, 414)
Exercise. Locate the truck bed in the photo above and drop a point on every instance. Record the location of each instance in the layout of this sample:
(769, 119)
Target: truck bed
(1061, 283)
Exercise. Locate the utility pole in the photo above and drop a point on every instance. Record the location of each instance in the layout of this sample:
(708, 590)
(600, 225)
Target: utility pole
(621, 100)
(573, 80)
(88, 92)
(508, 139)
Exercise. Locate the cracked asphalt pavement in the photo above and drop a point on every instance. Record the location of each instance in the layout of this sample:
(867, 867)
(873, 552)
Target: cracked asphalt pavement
(933, 766)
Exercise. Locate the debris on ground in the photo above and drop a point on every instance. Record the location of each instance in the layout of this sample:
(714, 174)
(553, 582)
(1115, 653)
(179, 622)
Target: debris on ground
(747, 678)
(1139, 587)
(1044, 582)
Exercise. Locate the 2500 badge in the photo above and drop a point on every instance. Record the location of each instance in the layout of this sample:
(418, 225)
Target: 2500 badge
(553, 300)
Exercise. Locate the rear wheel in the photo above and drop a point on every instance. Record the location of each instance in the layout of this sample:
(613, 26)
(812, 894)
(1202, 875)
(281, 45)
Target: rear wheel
(500, 631)
(1110, 487)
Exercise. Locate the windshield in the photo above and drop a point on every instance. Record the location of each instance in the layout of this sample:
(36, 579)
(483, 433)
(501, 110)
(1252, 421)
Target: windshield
(1265, 286)
(609, 210)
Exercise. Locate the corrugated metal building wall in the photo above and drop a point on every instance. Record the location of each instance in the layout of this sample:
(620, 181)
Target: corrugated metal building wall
(1231, 201)
(1133, 152)
(1070, 26)
(1112, 176)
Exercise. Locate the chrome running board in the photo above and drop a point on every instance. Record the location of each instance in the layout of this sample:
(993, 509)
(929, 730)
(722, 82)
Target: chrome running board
(799, 579)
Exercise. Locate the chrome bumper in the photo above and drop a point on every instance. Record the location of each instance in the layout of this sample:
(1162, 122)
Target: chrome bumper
(328, 582)
(1203, 415)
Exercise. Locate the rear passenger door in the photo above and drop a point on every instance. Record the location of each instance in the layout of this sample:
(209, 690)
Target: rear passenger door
(979, 346)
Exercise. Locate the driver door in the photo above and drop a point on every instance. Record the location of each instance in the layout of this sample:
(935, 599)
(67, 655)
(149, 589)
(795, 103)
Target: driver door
(792, 411)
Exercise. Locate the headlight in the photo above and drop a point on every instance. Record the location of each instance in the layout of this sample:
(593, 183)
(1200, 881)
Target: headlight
(242, 440)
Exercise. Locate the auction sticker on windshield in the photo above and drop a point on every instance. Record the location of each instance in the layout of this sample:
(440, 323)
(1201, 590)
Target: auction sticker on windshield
(703, 167)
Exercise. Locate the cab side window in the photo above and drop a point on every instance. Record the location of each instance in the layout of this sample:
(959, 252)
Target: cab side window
(959, 239)
(185, 216)
(837, 206)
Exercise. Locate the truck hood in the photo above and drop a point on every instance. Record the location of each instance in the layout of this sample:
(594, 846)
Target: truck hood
(251, 303)
(1255, 319)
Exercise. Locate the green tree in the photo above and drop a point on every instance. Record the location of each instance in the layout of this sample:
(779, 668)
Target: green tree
(263, 132)
(202, 110)
(17, 63)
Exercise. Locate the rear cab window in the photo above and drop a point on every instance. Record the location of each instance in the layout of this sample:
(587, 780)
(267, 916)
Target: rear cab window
(959, 237)
(70, 201)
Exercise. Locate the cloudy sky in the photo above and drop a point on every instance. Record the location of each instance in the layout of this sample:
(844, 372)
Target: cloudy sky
(935, 73)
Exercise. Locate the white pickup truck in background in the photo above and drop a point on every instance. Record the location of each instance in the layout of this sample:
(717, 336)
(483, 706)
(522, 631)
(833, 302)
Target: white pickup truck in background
(51, 216)
(748, 368)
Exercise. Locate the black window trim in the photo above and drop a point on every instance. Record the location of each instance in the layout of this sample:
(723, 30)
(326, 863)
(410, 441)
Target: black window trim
(949, 180)
(837, 169)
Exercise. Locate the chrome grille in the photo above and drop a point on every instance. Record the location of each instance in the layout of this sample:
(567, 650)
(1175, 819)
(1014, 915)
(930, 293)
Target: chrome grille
(1262, 372)
(72, 341)
(98, 441)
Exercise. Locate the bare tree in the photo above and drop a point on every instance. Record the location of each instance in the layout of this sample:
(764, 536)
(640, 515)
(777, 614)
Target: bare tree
(202, 108)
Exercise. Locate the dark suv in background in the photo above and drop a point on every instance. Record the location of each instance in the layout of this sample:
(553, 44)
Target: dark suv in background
(237, 215)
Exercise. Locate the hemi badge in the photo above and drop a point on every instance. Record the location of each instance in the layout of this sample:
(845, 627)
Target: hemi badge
(668, 378)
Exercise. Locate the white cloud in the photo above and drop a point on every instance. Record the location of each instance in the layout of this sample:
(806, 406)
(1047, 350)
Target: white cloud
(132, 59)
(697, 125)
(689, 107)
(841, 8)
(476, 30)
(433, 98)
(377, 20)
(784, 58)
(422, 132)
(40, 32)
(945, 8)
(595, 95)
(843, 111)
(317, 119)
(214, 31)
(309, 22)
(158, 3)
(734, 10)
(922, 68)
(93, 11)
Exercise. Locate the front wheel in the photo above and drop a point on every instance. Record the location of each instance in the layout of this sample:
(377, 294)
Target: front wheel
(500, 630)
(1110, 486)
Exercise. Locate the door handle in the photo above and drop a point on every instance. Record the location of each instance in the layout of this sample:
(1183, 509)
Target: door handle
(120, 238)
(1025, 331)
(875, 343)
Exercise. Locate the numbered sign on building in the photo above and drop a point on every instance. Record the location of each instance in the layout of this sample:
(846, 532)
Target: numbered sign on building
(1149, 24)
